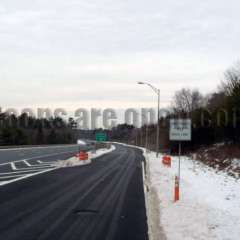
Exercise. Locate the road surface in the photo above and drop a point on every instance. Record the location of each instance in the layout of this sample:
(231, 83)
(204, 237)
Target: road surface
(102, 201)
(20, 163)
(16, 154)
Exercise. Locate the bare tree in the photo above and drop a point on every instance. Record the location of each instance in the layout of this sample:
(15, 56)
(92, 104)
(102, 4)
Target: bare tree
(231, 84)
(186, 100)
(216, 100)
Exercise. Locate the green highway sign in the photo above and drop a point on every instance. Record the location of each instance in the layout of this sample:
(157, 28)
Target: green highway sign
(101, 137)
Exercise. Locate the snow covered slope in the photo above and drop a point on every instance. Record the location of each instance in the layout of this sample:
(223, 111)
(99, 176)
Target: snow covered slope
(209, 206)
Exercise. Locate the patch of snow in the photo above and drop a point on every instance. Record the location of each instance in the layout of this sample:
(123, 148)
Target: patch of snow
(81, 142)
(219, 144)
(235, 163)
(74, 161)
(209, 206)
(102, 151)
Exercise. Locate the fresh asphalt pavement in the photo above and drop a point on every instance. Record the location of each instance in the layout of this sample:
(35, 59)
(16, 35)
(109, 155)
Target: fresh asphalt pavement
(15, 154)
(102, 201)
(19, 163)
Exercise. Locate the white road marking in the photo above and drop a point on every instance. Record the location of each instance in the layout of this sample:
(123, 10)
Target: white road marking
(42, 165)
(49, 162)
(27, 171)
(27, 148)
(14, 176)
(24, 177)
(33, 168)
(13, 166)
(42, 156)
(18, 172)
(27, 163)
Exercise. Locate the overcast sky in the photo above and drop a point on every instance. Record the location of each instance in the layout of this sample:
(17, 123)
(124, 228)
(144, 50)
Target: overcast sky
(75, 53)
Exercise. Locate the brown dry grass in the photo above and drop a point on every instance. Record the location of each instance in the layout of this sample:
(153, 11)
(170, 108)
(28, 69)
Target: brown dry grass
(221, 157)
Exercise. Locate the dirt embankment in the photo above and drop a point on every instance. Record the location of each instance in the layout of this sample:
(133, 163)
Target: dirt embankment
(222, 157)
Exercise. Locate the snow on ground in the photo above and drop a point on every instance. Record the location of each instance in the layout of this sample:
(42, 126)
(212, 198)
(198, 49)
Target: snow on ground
(81, 142)
(209, 206)
(74, 161)
(102, 151)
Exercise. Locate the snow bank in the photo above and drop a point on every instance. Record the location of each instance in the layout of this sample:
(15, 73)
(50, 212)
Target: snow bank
(209, 206)
(81, 142)
(74, 161)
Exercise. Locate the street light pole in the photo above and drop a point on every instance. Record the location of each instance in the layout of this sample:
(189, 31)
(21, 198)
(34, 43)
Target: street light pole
(157, 91)
(158, 119)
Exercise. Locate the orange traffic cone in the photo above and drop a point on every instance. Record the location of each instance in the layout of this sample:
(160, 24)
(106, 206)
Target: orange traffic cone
(176, 189)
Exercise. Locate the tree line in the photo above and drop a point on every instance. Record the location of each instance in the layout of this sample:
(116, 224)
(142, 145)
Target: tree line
(26, 130)
(215, 117)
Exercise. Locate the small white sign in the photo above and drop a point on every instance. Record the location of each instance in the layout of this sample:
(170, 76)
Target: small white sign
(180, 130)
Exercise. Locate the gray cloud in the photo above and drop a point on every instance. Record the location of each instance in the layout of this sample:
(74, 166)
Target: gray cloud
(72, 51)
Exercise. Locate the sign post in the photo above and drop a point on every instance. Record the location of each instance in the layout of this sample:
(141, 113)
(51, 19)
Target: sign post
(180, 130)
(100, 137)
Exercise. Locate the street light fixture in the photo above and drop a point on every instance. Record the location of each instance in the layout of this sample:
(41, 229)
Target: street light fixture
(157, 91)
